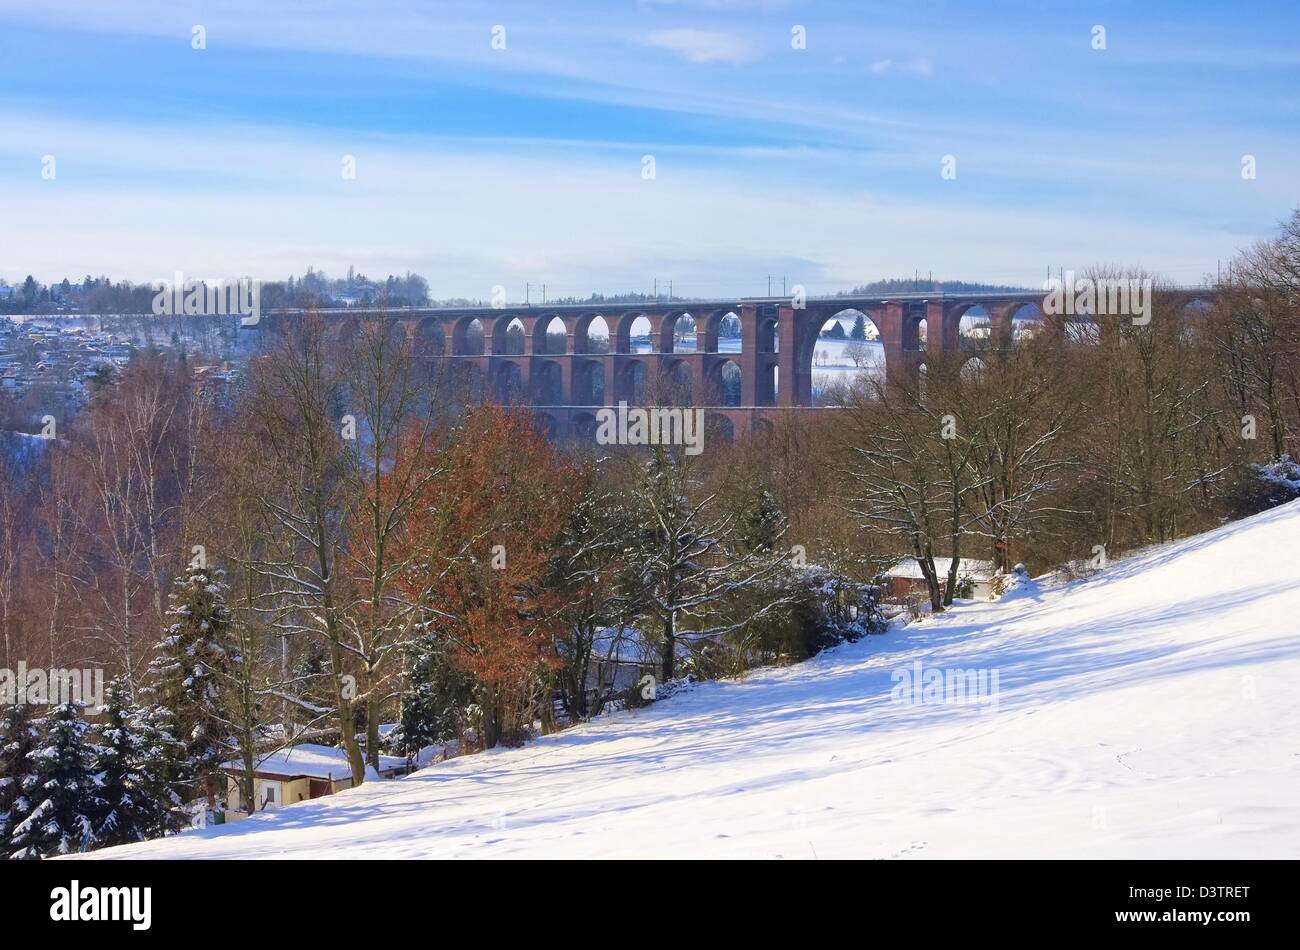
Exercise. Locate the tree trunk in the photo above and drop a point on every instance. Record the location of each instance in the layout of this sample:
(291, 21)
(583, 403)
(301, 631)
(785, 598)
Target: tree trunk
(951, 588)
(491, 721)
(372, 733)
(669, 656)
(347, 725)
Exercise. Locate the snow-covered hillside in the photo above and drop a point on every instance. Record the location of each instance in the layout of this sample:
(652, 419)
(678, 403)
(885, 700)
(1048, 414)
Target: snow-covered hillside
(1152, 711)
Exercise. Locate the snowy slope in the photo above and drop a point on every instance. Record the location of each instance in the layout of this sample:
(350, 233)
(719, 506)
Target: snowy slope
(1153, 711)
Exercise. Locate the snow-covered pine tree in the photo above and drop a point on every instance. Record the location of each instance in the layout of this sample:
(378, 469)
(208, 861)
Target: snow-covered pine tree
(134, 765)
(120, 820)
(18, 737)
(157, 753)
(188, 677)
(65, 792)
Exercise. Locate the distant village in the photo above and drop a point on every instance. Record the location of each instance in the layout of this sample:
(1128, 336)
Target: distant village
(54, 365)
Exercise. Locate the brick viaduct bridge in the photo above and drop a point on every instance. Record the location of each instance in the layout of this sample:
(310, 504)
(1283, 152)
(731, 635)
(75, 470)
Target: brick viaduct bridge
(774, 360)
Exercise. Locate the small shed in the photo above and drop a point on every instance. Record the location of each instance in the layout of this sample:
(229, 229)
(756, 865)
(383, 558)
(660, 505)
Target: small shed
(905, 580)
(620, 657)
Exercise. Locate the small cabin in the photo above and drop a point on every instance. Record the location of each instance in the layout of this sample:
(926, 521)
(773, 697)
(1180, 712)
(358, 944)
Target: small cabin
(298, 773)
(620, 657)
(904, 580)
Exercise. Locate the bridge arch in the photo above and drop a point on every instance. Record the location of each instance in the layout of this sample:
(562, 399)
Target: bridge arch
(633, 377)
(468, 336)
(678, 380)
(429, 337)
(816, 326)
(588, 382)
(766, 384)
(719, 425)
(711, 324)
(916, 332)
(548, 384)
(804, 390)
(508, 336)
(634, 323)
(591, 334)
(1025, 320)
(973, 324)
(509, 386)
(725, 383)
(725, 332)
(679, 324)
(551, 336)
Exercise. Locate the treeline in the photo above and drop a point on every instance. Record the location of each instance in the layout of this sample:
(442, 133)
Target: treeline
(101, 295)
(904, 285)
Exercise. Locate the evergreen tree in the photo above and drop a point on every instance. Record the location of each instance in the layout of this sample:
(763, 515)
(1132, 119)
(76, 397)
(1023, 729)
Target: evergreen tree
(859, 331)
(135, 769)
(436, 696)
(762, 522)
(18, 737)
(65, 790)
(189, 676)
(157, 753)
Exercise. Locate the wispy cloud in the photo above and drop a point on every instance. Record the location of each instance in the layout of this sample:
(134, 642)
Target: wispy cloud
(705, 46)
(915, 67)
(173, 209)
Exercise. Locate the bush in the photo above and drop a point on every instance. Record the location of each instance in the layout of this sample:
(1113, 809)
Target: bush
(712, 659)
(822, 609)
(635, 696)
(1259, 487)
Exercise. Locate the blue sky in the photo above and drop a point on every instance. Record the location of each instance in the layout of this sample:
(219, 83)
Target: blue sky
(479, 166)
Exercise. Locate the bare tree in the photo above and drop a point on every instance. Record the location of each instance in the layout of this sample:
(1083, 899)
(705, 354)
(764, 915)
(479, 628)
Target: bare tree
(296, 414)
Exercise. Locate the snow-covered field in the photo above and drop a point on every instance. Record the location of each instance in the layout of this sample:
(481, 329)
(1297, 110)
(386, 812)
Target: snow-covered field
(1151, 711)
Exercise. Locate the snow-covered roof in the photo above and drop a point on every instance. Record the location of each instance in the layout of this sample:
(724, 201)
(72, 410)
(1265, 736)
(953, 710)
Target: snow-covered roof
(910, 569)
(622, 645)
(312, 761)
